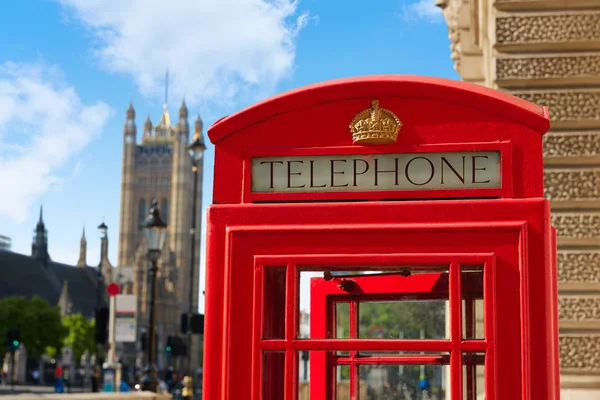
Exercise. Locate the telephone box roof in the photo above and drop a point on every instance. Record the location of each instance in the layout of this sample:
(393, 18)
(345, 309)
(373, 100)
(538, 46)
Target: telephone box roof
(444, 90)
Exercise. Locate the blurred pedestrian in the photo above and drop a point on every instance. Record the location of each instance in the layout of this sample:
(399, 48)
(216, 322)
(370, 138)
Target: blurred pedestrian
(36, 376)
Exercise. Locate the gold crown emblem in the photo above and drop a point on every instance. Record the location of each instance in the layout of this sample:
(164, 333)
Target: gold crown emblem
(375, 126)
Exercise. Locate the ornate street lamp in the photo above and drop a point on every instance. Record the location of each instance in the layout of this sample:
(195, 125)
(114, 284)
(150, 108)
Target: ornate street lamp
(155, 231)
(196, 151)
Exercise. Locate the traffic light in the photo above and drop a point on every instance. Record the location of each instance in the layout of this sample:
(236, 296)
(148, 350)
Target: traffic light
(13, 339)
(175, 346)
(197, 324)
(169, 347)
(101, 327)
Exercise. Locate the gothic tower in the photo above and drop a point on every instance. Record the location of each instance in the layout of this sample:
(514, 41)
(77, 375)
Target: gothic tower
(39, 247)
(160, 168)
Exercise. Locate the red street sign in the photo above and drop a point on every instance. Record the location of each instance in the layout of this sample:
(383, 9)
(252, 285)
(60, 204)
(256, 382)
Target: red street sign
(113, 289)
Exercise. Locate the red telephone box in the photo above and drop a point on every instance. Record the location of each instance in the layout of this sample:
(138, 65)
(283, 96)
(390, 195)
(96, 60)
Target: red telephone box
(381, 237)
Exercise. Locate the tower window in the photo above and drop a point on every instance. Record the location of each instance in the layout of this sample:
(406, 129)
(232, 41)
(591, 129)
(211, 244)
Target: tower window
(141, 213)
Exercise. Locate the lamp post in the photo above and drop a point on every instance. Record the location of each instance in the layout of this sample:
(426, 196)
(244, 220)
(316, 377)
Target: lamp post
(196, 151)
(155, 232)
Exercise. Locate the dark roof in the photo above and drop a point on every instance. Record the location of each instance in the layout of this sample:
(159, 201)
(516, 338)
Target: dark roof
(22, 275)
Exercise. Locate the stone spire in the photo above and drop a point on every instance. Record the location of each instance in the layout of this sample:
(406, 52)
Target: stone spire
(39, 247)
(148, 126)
(183, 111)
(64, 301)
(130, 130)
(130, 112)
(82, 251)
(199, 125)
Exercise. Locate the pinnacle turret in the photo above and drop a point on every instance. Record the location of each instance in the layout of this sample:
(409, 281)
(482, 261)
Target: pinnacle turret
(130, 112)
(199, 125)
(183, 111)
(40, 224)
(82, 262)
(147, 125)
(39, 247)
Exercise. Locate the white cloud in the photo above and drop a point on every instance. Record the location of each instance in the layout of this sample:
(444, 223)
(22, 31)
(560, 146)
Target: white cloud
(43, 123)
(216, 51)
(422, 10)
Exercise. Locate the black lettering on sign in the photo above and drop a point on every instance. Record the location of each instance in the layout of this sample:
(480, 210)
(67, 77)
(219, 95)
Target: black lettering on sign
(446, 162)
(272, 167)
(478, 169)
(312, 176)
(394, 171)
(290, 173)
(334, 172)
(407, 171)
(365, 169)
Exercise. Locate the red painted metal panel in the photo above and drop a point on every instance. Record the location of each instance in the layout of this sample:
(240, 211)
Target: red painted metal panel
(247, 237)
(443, 90)
(434, 112)
(331, 233)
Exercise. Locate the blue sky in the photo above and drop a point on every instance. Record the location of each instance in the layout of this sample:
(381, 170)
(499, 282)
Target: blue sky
(69, 68)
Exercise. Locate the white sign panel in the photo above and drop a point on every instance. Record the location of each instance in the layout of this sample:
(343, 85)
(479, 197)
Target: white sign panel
(125, 329)
(347, 173)
(126, 304)
(67, 356)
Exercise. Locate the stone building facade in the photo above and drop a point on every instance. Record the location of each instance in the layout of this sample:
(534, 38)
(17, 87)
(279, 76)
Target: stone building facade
(548, 52)
(159, 168)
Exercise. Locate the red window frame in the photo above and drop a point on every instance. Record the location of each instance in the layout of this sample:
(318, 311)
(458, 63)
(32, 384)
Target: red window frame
(326, 293)
(291, 344)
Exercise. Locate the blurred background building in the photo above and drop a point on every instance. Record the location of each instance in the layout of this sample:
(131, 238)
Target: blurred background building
(158, 167)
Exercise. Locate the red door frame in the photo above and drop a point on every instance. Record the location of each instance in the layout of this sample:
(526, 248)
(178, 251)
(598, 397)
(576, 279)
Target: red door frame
(245, 239)
(326, 292)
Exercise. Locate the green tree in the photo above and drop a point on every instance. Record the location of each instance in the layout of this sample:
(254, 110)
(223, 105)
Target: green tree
(40, 324)
(80, 335)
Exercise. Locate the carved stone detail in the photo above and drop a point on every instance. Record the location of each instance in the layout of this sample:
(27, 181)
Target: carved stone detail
(579, 308)
(583, 184)
(572, 145)
(547, 67)
(577, 226)
(567, 106)
(579, 266)
(451, 11)
(560, 28)
(580, 352)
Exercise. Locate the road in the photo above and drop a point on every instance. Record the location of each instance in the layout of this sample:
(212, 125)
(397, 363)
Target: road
(18, 389)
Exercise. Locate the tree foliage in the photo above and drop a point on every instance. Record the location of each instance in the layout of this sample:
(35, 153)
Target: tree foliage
(40, 324)
(80, 335)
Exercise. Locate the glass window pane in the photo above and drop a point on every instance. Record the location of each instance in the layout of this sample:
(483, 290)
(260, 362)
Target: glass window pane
(473, 376)
(343, 383)
(393, 302)
(472, 303)
(342, 323)
(273, 375)
(405, 319)
(274, 302)
(403, 382)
